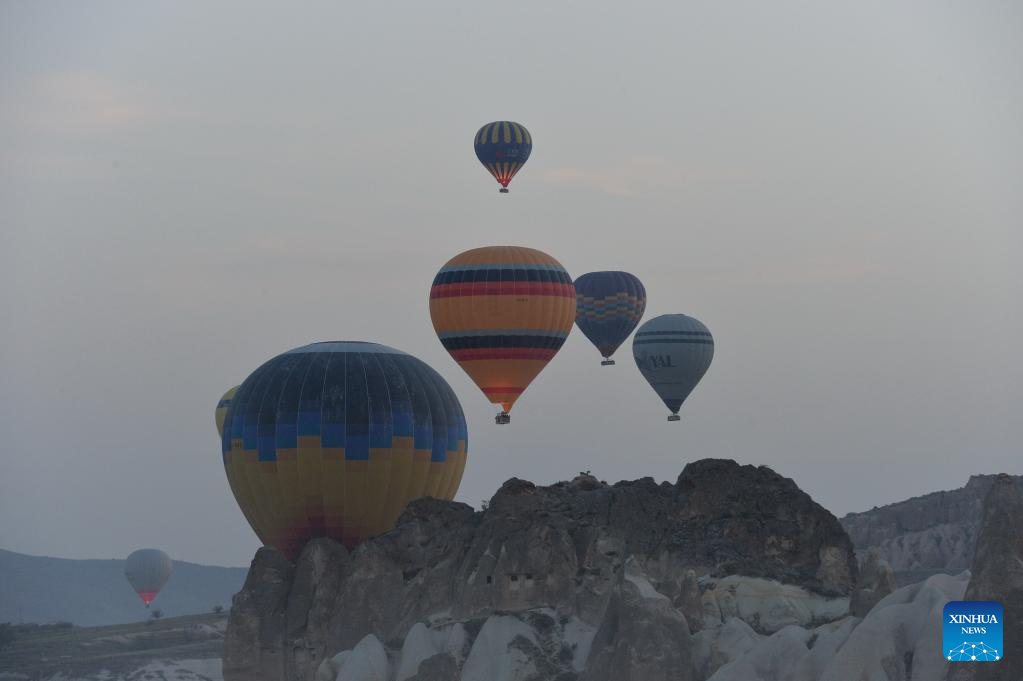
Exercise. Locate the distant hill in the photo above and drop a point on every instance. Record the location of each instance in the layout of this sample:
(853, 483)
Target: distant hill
(933, 533)
(37, 589)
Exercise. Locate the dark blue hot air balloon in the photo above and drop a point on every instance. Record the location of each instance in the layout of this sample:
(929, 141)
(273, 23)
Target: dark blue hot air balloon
(503, 147)
(609, 305)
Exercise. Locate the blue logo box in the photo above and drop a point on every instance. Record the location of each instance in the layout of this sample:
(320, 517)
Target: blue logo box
(972, 631)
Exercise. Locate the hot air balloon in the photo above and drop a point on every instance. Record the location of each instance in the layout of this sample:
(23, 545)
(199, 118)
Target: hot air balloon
(608, 306)
(147, 571)
(222, 406)
(334, 439)
(502, 312)
(503, 148)
(673, 352)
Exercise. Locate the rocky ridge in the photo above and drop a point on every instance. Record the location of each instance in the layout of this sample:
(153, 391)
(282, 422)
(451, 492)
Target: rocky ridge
(578, 580)
(730, 574)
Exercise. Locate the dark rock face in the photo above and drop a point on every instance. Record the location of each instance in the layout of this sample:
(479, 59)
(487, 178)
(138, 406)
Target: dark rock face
(997, 575)
(309, 612)
(440, 667)
(563, 547)
(876, 581)
(751, 521)
(254, 643)
(935, 532)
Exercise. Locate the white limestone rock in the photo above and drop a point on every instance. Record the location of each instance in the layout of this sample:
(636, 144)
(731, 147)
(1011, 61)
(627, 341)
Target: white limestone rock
(422, 643)
(898, 640)
(767, 605)
(775, 657)
(716, 647)
(497, 654)
(367, 661)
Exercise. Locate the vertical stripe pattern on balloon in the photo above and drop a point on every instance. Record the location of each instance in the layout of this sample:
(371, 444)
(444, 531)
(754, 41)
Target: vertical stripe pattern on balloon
(503, 147)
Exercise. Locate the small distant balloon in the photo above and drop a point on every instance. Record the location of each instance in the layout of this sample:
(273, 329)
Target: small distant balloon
(147, 571)
(222, 407)
(609, 305)
(503, 147)
(502, 313)
(673, 352)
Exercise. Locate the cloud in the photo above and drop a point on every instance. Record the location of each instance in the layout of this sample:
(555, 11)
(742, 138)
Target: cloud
(76, 103)
(635, 176)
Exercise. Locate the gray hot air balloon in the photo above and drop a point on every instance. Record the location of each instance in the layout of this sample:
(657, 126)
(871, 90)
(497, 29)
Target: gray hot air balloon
(673, 352)
(147, 571)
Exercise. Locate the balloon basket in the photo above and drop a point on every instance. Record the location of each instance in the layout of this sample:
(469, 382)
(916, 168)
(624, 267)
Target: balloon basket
(674, 417)
(502, 418)
(607, 363)
(503, 190)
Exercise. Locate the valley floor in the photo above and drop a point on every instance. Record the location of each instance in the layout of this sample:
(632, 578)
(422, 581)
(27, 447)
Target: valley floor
(179, 648)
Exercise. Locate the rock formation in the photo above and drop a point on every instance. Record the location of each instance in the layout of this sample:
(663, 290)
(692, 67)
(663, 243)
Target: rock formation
(997, 575)
(578, 580)
(642, 635)
(877, 580)
(933, 533)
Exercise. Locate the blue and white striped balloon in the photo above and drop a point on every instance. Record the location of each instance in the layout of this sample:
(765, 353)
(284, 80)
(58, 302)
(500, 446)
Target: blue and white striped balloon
(673, 352)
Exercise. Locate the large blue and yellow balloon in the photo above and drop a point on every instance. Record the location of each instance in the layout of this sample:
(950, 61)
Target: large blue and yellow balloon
(334, 439)
(503, 147)
(222, 406)
(609, 305)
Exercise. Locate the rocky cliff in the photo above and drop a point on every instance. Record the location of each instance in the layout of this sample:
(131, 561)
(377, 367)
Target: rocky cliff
(998, 576)
(922, 535)
(579, 580)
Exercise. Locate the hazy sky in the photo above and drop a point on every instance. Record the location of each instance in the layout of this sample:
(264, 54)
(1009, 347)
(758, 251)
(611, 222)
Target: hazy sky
(188, 189)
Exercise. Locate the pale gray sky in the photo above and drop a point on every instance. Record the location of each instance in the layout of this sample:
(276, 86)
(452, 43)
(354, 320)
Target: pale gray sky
(187, 189)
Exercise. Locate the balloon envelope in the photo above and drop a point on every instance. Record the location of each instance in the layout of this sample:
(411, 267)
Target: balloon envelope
(609, 305)
(502, 312)
(503, 148)
(222, 406)
(673, 352)
(147, 571)
(334, 439)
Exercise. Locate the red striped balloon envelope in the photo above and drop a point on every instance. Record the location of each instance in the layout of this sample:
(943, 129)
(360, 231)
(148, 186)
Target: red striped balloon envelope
(502, 312)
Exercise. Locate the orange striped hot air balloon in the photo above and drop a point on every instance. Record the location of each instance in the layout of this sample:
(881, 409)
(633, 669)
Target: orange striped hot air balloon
(502, 312)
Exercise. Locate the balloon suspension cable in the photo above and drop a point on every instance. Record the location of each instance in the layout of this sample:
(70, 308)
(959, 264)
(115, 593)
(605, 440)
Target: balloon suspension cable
(674, 417)
(502, 418)
(607, 362)
(503, 190)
